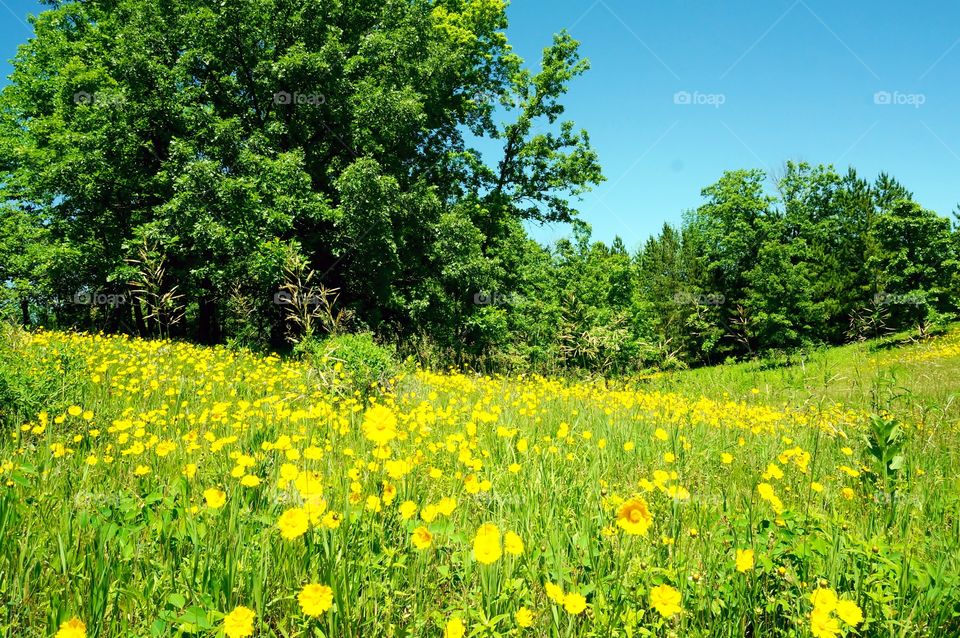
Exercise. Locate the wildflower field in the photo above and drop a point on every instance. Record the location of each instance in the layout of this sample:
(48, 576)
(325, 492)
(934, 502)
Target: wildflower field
(152, 488)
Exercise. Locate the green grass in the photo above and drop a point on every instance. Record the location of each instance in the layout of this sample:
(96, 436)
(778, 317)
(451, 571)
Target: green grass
(840, 474)
(919, 381)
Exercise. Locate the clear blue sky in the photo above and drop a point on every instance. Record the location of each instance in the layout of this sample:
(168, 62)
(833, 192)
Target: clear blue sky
(766, 81)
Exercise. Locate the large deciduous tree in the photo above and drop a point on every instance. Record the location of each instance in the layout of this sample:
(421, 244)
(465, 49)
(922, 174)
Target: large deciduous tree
(222, 134)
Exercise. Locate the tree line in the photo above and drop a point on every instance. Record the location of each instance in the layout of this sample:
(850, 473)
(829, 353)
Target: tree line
(274, 171)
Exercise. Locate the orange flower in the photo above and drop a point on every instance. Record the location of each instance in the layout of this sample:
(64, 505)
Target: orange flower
(422, 538)
(634, 516)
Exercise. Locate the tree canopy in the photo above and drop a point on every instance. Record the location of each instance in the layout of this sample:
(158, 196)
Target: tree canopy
(222, 137)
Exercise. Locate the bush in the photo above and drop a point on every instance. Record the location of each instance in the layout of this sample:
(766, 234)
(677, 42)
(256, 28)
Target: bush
(351, 363)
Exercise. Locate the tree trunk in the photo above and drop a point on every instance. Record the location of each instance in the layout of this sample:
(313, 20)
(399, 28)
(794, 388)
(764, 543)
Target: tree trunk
(208, 328)
(138, 316)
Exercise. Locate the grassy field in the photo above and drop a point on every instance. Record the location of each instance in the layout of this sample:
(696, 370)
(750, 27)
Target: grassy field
(918, 381)
(162, 489)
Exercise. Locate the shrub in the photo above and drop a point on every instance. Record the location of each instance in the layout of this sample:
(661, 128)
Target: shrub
(351, 363)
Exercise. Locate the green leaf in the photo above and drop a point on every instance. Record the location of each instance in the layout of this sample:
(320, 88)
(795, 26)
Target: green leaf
(194, 617)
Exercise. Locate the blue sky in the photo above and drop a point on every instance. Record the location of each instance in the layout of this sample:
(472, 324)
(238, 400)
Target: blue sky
(682, 90)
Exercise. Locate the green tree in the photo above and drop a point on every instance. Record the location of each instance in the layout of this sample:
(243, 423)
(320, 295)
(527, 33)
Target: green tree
(730, 229)
(916, 263)
(221, 135)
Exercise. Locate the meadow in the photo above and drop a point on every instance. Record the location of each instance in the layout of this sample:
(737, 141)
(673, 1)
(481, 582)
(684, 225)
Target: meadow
(156, 488)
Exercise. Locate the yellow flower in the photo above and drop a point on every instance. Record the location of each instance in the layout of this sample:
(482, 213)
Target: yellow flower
(816, 487)
(331, 520)
(293, 523)
(823, 625)
(486, 544)
(634, 516)
(661, 434)
(847, 493)
(142, 470)
(422, 538)
(766, 493)
(726, 458)
(239, 622)
(73, 628)
(250, 480)
(315, 599)
(189, 470)
(315, 506)
(666, 600)
(389, 494)
(773, 471)
(513, 543)
(288, 472)
(215, 498)
(380, 424)
(574, 603)
(429, 513)
(554, 593)
(446, 505)
(454, 629)
(744, 560)
(471, 484)
(824, 599)
(74, 410)
(849, 612)
(407, 510)
(164, 448)
(524, 617)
